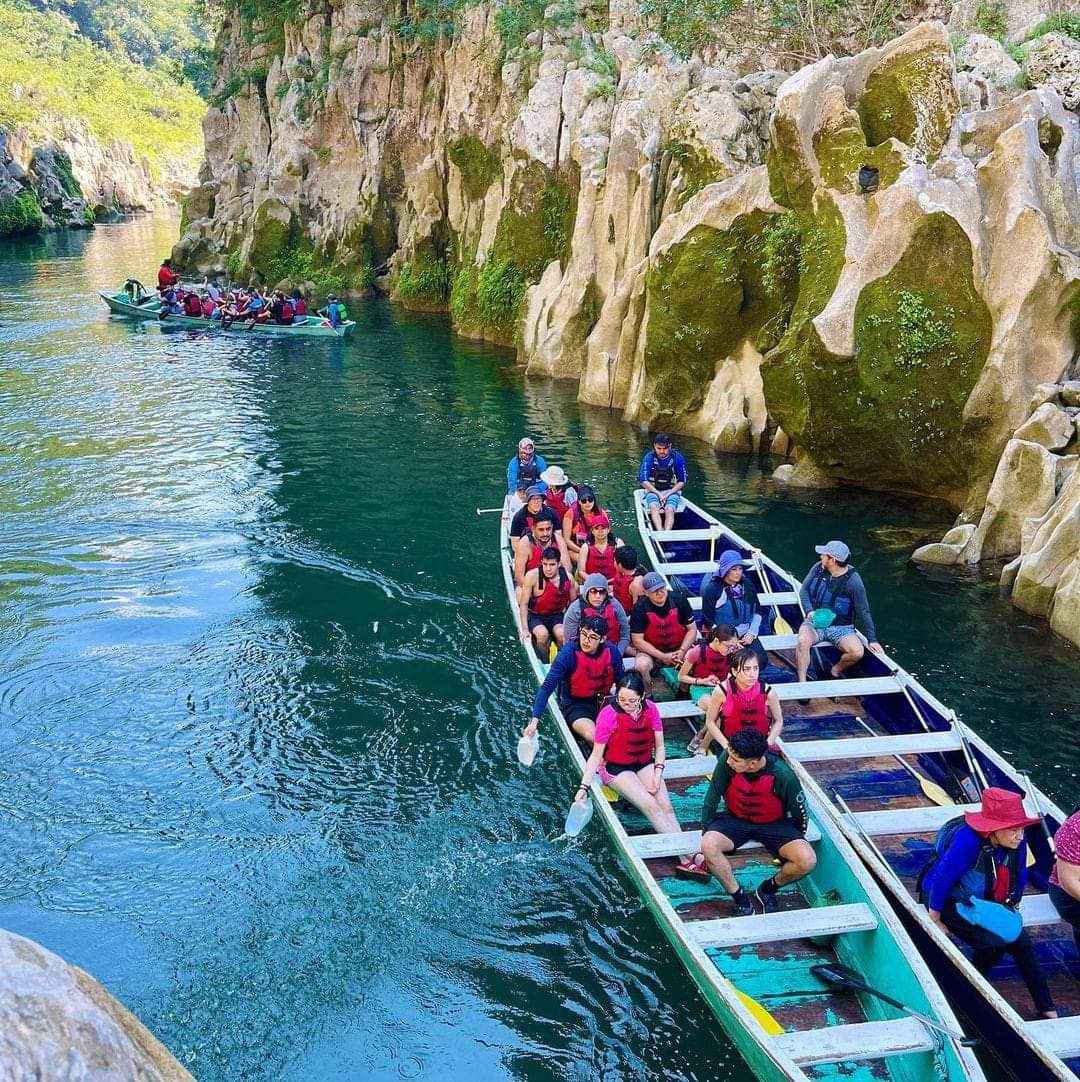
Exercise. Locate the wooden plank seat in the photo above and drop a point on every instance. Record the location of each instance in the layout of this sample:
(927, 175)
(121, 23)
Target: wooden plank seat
(649, 846)
(1037, 909)
(870, 747)
(698, 534)
(925, 820)
(1058, 1035)
(856, 1041)
(858, 687)
(787, 924)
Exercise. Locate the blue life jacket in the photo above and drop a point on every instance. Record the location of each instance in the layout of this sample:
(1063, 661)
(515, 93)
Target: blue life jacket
(661, 474)
(978, 881)
(833, 592)
(735, 610)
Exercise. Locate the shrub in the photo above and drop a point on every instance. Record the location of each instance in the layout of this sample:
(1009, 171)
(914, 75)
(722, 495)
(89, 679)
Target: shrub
(991, 19)
(21, 214)
(424, 281)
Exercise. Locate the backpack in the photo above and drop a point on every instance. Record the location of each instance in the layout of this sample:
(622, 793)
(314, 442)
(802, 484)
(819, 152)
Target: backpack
(984, 868)
(942, 841)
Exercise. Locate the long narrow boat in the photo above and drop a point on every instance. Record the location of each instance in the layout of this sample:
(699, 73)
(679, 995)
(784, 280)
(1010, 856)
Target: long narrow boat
(837, 914)
(860, 740)
(312, 327)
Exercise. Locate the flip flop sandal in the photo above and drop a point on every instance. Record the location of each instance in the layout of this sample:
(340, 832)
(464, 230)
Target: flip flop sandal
(691, 869)
(694, 747)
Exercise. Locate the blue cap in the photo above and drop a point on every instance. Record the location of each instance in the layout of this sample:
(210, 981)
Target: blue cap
(653, 581)
(729, 558)
(836, 549)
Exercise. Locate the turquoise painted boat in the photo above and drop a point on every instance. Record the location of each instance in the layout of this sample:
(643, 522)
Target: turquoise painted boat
(313, 327)
(747, 966)
(889, 765)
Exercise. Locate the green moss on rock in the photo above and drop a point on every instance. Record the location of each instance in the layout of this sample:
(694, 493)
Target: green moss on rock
(479, 164)
(270, 234)
(537, 222)
(424, 282)
(910, 96)
(21, 213)
(841, 152)
(791, 183)
(697, 167)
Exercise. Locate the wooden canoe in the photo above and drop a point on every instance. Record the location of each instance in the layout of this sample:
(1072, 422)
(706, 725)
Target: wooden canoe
(314, 327)
(768, 957)
(860, 738)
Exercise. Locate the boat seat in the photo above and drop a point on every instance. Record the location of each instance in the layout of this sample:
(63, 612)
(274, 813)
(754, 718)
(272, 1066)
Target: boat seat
(910, 820)
(698, 534)
(648, 846)
(694, 766)
(787, 924)
(857, 1041)
(1037, 909)
(786, 597)
(869, 747)
(1058, 1035)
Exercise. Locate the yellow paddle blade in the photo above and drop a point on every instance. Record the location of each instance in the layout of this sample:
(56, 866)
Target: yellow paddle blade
(934, 792)
(761, 1016)
(1030, 858)
(609, 793)
(552, 652)
(782, 627)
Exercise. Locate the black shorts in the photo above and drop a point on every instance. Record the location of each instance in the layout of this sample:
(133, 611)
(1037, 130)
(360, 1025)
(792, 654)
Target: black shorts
(622, 768)
(550, 621)
(574, 709)
(774, 836)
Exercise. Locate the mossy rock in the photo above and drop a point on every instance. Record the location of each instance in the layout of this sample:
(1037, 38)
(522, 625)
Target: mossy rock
(21, 213)
(910, 96)
(841, 152)
(538, 220)
(696, 166)
(423, 284)
(893, 414)
(478, 163)
(706, 295)
(791, 183)
(270, 234)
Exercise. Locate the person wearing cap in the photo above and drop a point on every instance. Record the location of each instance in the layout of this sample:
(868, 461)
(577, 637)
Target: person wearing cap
(523, 470)
(583, 673)
(597, 555)
(576, 521)
(834, 599)
(560, 495)
(334, 313)
(528, 551)
(985, 856)
(1064, 886)
(596, 600)
(662, 629)
(543, 598)
(729, 597)
(662, 476)
(530, 514)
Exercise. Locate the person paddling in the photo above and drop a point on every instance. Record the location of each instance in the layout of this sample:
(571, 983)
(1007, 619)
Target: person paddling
(577, 521)
(662, 476)
(597, 555)
(528, 552)
(764, 803)
(583, 673)
(983, 855)
(661, 628)
(523, 471)
(728, 597)
(543, 598)
(626, 583)
(334, 313)
(741, 701)
(834, 599)
(596, 600)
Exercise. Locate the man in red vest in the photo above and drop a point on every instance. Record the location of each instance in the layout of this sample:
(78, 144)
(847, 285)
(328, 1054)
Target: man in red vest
(764, 803)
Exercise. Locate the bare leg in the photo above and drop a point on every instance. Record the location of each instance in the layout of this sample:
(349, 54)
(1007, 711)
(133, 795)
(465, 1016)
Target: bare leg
(585, 728)
(657, 811)
(654, 516)
(542, 640)
(644, 665)
(669, 517)
(715, 845)
(851, 651)
(807, 637)
(797, 861)
(560, 638)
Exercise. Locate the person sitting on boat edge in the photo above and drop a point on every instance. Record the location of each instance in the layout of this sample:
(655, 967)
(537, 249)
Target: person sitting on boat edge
(583, 673)
(834, 599)
(543, 598)
(281, 309)
(597, 555)
(661, 628)
(983, 855)
(334, 314)
(208, 306)
(1064, 887)
(729, 597)
(662, 476)
(529, 514)
(763, 802)
(258, 310)
(596, 600)
(579, 518)
(170, 304)
(528, 552)
(741, 701)
(166, 276)
(299, 304)
(626, 585)
(523, 472)
(192, 305)
(628, 754)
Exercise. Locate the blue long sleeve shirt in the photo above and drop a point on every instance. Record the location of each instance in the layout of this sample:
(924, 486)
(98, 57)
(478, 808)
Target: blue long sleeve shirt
(512, 473)
(961, 856)
(676, 456)
(560, 671)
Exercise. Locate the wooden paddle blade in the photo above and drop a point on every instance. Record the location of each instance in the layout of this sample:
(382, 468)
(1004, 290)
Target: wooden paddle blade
(782, 627)
(934, 792)
(760, 1014)
(609, 793)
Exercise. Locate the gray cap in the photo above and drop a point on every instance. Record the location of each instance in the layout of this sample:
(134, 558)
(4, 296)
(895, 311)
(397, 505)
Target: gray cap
(836, 549)
(653, 581)
(533, 490)
(595, 581)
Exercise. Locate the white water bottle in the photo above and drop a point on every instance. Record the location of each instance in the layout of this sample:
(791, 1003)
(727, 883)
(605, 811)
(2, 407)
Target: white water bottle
(527, 747)
(578, 816)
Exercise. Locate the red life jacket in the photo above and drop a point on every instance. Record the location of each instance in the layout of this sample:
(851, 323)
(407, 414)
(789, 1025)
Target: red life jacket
(608, 613)
(208, 307)
(557, 502)
(620, 587)
(300, 306)
(580, 524)
(192, 305)
(287, 312)
(710, 662)
(600, 563)
(593, 674)
(664, 631)
(632, 743)
(554, 597)
(745, 709)
(535, 555)
(753, 799)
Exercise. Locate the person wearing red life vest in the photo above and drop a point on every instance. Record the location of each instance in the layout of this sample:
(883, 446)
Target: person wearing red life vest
(166, 276)
(706, 666)
(560, 495)
(596, 600)
(527, 553)
(597, 555)
(626, 585)
(661, 628)
(576, 521)
(543, 598)
(763, 802)
(583, 673)
(527, 516)
(742, 700)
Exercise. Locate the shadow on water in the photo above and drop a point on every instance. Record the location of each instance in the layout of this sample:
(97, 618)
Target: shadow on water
(259, 697)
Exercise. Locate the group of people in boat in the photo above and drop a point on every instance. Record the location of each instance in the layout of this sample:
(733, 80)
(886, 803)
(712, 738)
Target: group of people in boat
(237, 304)
(604, 622)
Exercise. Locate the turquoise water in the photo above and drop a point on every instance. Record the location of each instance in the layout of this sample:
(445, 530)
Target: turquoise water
(259, 695)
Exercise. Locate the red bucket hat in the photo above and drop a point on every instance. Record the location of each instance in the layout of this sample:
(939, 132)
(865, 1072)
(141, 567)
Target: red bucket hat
(1001, 810)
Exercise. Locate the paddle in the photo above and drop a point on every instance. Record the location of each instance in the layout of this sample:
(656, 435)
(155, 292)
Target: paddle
(931, 790)
(839, 976)
(490, 510)
(759, 1013)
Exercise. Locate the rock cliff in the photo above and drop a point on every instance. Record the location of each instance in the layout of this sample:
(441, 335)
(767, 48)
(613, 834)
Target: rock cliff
(868, 265)
(57, 1022)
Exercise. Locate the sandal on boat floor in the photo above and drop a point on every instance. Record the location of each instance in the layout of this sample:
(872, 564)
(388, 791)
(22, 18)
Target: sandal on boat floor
(694, 747)
(693, 868)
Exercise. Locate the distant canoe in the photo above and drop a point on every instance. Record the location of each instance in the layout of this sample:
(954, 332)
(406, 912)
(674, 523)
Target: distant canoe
(313, 327)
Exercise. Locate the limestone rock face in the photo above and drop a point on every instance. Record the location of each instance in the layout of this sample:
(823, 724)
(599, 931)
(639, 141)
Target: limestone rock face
(987, 59)
(57, 1022)
(1049, 425)
(1054, 59)
(949, 550)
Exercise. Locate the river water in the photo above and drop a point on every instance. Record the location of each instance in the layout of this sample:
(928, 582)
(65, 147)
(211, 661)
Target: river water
(259, 694)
